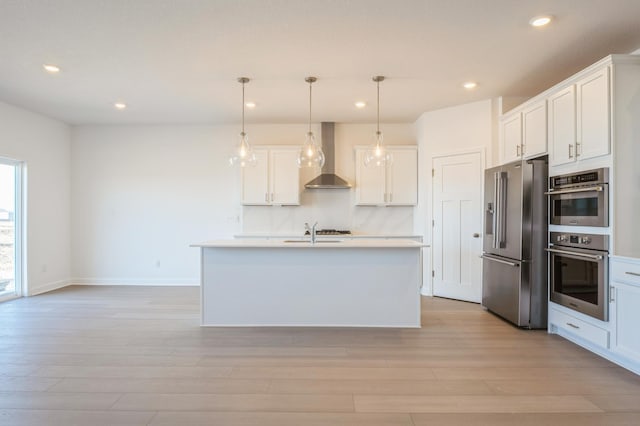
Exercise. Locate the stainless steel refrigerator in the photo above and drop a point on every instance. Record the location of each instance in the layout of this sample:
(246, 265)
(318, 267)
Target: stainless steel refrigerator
(514, 265)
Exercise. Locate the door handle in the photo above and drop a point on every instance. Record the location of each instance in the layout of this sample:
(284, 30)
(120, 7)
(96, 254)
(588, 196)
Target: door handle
(575, 190)
(574, 253)
(476, 235)
(570, 151)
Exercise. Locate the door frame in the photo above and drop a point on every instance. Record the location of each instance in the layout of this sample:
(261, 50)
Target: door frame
(429, 224)
(20, 224)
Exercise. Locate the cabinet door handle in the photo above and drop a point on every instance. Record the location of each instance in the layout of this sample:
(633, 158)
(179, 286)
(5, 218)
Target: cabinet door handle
(578, 149)
(612, 294)
(272, 197)
(517, 150)
(266, 197)
(522, 148)
(573, 326)
(635, 274)
(570, 151)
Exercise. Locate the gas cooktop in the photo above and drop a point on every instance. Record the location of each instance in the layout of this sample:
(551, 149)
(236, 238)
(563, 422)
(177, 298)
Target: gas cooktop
(330, 232)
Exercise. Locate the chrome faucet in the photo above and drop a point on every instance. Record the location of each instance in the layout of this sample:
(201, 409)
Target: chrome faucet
(312, 231)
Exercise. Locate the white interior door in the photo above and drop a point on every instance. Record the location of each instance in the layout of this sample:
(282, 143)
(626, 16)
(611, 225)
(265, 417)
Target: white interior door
(457, 227)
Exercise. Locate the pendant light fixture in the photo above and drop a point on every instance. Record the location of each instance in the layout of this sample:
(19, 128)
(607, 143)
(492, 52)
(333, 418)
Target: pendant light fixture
(310, 154)
(377, 155)
(243, 155)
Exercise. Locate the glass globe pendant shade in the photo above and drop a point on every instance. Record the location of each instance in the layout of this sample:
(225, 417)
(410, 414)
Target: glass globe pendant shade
(378, 155)
(243, 155)
(310, 155)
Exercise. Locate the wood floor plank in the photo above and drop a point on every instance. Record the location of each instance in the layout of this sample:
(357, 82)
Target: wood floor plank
(57, 417)
(163, 385)
(354, 373)
(235, 402)
(473, 404)
(279, 419)
(58, 400)
(128, 372)
(526, 419)
(381, 387)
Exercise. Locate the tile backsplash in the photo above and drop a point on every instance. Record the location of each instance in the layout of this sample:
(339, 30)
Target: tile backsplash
(332, 209)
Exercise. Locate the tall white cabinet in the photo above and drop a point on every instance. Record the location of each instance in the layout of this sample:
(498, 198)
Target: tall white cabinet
(593, 122)
(393, 185)
(274, 180)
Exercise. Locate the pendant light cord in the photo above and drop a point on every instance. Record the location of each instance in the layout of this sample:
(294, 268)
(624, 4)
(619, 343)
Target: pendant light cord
(310, 83)
(378, 127)
(243, 108)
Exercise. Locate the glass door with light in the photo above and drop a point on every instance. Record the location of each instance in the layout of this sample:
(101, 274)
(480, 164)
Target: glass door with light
(10, 229)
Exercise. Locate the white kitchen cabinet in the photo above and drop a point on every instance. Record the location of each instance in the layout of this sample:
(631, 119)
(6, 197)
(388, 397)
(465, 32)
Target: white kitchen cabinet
(511, 137)
(562, 126)
(393, 185)
(534, 129)
(579, 119)
(624, 312)
(523, 132)
(593, 115)
(275, 180)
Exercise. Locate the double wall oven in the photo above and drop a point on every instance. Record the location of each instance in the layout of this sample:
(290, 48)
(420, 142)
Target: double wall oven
(578, 262)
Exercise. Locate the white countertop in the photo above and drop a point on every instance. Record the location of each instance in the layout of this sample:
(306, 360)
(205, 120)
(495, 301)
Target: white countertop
(305, 243)
(286, 236)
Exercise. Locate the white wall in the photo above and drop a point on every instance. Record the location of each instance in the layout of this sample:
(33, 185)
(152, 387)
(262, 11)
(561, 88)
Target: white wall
(457, 129)
(142, 194)
(44, 145)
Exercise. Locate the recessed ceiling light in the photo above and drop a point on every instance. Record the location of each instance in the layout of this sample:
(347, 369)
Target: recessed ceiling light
(540, 21)
(470, 85)
(120, 105)
(250, 104)
(50, 68)
(360, 104)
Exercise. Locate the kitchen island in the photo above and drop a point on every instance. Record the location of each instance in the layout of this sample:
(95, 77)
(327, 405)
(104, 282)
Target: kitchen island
(348, 283)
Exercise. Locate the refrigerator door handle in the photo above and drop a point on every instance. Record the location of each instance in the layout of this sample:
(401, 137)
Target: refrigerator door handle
(496, 208)
(500, 209)
(515, 265)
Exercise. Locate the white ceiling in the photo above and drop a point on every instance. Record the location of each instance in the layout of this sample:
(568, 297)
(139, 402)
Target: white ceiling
(176, 61)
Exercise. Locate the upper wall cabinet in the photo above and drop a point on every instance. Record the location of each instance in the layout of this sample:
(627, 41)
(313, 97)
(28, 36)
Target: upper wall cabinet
(275, 180)
(534, 129)
(579, 119)
(523, 132)
(511, 137)
(393, 185)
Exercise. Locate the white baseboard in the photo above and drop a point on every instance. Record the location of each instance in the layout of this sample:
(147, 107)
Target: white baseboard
(44, 288)
(186, 282)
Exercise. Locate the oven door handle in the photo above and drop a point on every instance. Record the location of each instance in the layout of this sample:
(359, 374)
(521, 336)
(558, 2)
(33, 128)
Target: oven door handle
(574, 253)
(573, 191)
(484, 256)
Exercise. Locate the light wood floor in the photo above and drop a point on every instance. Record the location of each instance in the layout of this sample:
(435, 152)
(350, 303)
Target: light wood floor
(137, 356)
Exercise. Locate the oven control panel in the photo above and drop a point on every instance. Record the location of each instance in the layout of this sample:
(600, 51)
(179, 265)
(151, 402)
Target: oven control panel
(589, 177)
(591, 241)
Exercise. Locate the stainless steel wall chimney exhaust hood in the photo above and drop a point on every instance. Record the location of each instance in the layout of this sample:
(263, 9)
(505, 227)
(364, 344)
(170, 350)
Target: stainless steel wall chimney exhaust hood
(328, 179)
